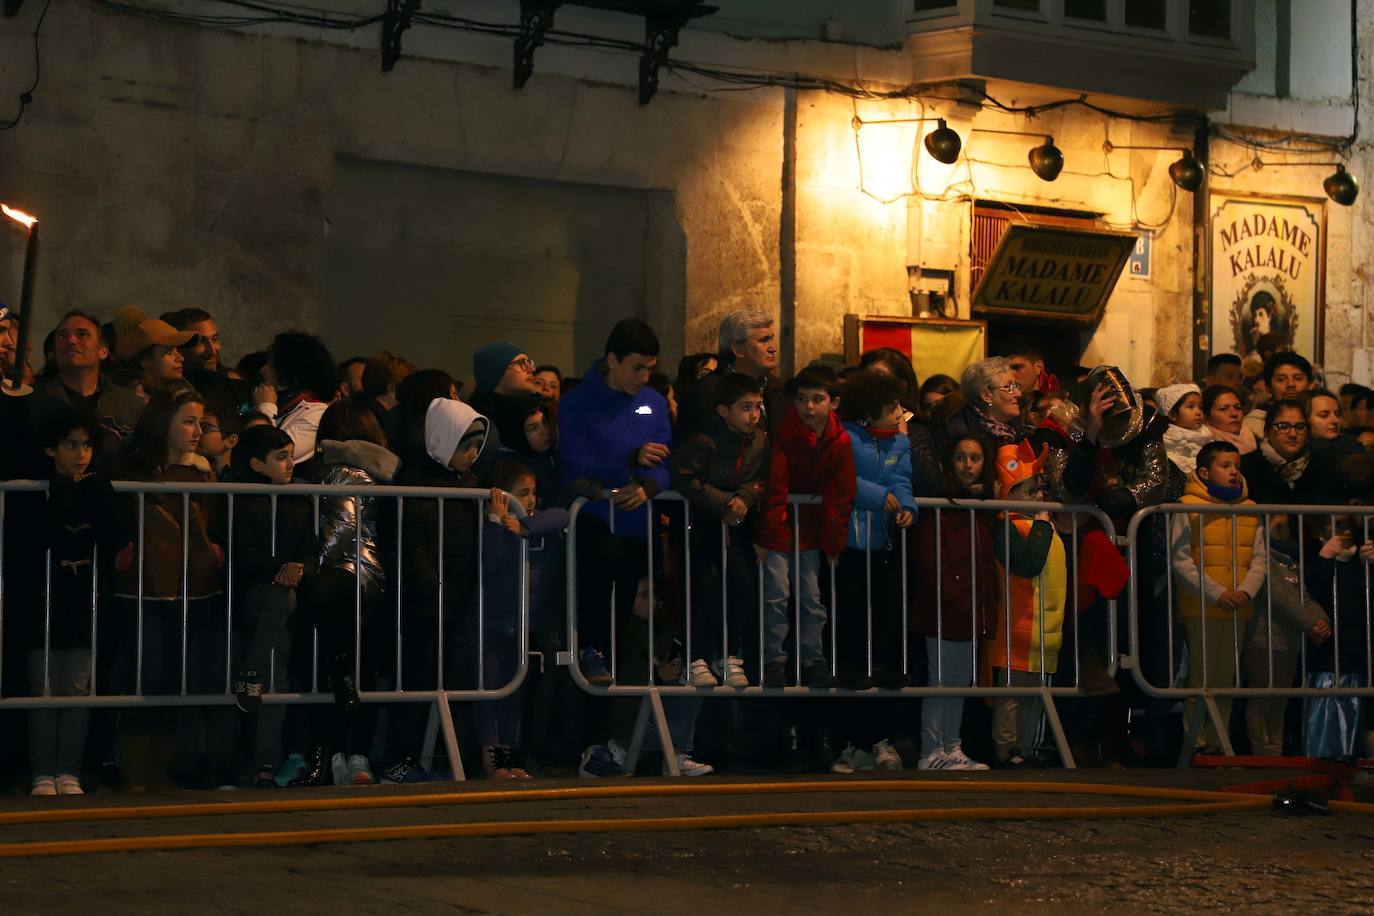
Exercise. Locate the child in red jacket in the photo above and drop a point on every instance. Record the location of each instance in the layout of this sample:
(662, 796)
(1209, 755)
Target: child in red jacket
(810, 453)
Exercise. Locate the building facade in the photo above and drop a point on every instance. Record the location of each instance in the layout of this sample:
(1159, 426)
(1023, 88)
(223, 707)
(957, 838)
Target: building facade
(276, 175)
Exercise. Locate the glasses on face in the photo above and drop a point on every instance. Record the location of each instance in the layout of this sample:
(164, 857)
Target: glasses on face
(525, 364)
(1291, 427)
(1009, 387)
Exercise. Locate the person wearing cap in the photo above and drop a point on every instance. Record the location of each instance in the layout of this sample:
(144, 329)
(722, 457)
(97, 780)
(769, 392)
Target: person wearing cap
(505, 388)
(1187, 433)
(81, 386)
(150, 348)
(454, 436)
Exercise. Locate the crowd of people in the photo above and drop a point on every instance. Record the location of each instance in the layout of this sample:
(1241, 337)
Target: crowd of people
(795, 555)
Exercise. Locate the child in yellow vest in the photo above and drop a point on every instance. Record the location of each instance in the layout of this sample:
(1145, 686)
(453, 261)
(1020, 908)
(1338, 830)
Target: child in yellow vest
(1214, 601)
(1030, 622)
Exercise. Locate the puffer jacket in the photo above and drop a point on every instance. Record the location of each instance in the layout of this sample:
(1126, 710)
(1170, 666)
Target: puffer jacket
(882, 466)
(1038, 571)
(349, 525)
(799, 461)
(1243, 563)
(713, 466)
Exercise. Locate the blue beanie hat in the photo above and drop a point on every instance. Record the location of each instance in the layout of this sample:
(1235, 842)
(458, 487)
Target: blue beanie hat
(490, 362)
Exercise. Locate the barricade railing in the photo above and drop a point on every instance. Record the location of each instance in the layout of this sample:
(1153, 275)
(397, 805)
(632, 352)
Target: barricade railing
(1266, 640)
(439, 693)
(677, 525)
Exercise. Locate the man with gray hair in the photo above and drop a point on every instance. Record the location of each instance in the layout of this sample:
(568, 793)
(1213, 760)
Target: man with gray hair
(748, 344)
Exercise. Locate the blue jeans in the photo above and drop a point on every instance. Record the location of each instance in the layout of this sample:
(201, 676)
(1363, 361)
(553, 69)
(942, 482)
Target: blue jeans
(777, 617)
(941, 717)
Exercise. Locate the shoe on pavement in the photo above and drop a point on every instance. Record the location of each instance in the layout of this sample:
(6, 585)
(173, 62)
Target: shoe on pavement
(935, 760)
(360, 771)
(701, 675)
(598, 762)
(961, 761)
(686, 766)
(594, 667)
(852, 759)
(1014, 762)
(266, 778)
(291, 768)
(43, 785)
(885, 757)
(338, 768)
(407, 772)
(67, 784)
(817, 674)
(774, 675)
(733, 674)
(498, 761)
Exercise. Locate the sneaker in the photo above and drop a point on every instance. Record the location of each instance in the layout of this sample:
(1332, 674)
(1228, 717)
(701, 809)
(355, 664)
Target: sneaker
(891, 678)
(851, 760)
(43, 785)
(67, 784)
(885, 757)
(360, 771)
(594, 666)
(961, 761)
(686, 766)
(774, 675)
(734, 673)
(497, 761)
(266, 778)
(338, 768)
(618, 753)
(291, 768)
(935, 760)
(598, 762)
(701, 676)
(248, 691)
(1014, 762)
(817, 674)
(407, 772)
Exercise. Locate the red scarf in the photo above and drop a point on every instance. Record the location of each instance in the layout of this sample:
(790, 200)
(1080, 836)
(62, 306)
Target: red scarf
(877, 433)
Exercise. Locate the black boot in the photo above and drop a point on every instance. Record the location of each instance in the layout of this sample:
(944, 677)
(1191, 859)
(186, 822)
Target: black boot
(315, 772)
(823, 750)
(342, 680)
(795, 759)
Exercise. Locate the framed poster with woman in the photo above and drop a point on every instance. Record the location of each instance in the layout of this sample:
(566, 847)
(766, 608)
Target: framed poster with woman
(1267, 265)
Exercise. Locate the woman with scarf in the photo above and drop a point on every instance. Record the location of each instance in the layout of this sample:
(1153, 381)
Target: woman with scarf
(1281, 470)
(992, 411)
(1223, 414)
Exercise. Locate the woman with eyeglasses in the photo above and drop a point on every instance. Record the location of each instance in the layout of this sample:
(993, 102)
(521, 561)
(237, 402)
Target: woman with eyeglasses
(992, 406)
(1282, 470)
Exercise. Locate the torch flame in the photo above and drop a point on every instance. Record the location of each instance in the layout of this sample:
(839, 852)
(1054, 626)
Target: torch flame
(19, 216)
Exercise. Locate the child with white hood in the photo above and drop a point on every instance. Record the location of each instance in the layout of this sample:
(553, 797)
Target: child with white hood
(1187, 433)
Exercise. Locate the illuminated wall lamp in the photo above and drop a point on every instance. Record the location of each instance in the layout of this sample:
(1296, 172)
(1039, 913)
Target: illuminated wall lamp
(942, 143)
(1340, 185)
(1046, 160)
(1186, 173)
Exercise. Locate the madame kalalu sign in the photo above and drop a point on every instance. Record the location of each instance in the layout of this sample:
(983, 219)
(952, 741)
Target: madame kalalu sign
(1051, 272)
(1266, 274)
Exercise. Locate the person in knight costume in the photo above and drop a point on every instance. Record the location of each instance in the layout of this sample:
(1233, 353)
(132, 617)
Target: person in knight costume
(1107, 450)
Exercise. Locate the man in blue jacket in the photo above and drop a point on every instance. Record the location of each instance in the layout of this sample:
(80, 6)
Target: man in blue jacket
(614, 441)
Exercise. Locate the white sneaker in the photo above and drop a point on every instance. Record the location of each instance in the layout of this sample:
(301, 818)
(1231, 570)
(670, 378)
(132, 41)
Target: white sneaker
(67, 784)
(686, 766)
(885, 757)
(734, 672)
(852, 759)
(618, 753)
(43, 785)
(701, 675)
(935, 760)
(338, 768)
(961, 761)
(360, 771)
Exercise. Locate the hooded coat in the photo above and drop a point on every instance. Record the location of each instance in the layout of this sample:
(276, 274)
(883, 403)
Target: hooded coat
(427, 555)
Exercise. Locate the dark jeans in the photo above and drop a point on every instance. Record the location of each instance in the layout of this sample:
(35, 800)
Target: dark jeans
(605, 561)
(740, 593)
(267, 614)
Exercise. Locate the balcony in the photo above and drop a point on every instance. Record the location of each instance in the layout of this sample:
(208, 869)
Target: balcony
(1177, 53)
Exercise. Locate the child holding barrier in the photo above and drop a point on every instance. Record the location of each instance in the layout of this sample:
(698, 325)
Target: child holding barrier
(720, 473)
(1219, 566)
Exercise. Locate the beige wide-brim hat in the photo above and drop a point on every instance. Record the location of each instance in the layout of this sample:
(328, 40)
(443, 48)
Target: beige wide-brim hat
(136, 332)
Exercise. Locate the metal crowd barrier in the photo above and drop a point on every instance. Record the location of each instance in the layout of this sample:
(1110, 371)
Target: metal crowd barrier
(440, 720)
(651, 695)
(1299, 519)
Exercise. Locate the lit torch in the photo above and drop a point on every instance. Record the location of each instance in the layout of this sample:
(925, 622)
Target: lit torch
(30, 224)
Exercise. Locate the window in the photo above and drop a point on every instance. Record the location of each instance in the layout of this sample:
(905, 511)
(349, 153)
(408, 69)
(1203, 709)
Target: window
(1096, 10)
(1209, 18)
(1031, 6)
(1146, 14)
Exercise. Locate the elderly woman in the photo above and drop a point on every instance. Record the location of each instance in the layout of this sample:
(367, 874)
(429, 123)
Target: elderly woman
(992, 406)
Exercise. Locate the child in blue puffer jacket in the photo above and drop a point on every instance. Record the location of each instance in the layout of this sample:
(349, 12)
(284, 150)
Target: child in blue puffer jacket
(883, 505)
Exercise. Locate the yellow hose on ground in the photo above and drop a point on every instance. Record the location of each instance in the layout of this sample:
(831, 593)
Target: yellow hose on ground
(352, 802)
(620, 825)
